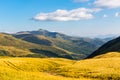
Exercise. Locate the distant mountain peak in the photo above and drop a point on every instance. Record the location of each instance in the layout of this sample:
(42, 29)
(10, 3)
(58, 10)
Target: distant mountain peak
(44, 33)
(42, 30)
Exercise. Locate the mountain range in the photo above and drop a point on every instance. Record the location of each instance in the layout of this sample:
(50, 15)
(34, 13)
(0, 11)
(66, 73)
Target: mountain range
(75, 45)
(43, 43)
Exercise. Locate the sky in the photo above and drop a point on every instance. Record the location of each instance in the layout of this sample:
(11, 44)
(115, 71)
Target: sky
(71, 17)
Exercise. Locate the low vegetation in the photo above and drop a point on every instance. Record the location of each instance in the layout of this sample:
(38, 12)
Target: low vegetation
(12, 51)
(59, 69)
(109, 55)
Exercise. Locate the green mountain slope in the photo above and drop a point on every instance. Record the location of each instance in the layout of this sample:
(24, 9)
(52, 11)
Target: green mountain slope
(14, 52)
(82, 46)
(111, 46)
(37, 50)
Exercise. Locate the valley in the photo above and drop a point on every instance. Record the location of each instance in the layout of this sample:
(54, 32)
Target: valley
(30, 56)
(43, 43)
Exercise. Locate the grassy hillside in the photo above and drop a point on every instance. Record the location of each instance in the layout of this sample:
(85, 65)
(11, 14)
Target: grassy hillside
(12, 51)
(109, 55)
(59, 69)
(110, 46)
(8, 40)
(76, 45)
(38, 50)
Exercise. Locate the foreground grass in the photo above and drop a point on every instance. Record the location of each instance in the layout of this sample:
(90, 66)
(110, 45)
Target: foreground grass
(59, 69)
(32, 69)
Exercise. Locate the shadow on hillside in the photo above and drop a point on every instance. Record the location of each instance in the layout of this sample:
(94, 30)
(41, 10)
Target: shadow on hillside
(50, 53)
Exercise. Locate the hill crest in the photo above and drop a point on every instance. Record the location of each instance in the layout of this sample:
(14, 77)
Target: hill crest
(110, 46)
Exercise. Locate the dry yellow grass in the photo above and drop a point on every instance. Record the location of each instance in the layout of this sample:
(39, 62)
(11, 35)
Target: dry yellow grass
(32, 69)
(12, 51)
(109, 54)
(59, 69)
(103, 69)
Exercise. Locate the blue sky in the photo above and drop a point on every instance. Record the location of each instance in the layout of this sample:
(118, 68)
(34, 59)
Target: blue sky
(72, 17)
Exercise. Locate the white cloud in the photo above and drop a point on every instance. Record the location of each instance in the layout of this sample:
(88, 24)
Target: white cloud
(107, 3)
(117, 14)
(104, 16)
(65, 15)
(80, 0)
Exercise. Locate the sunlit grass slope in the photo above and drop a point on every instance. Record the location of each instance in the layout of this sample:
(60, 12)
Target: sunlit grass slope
(109, 55)
(32, 69)
(12, 51)
(100, 69)
(59, 69)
